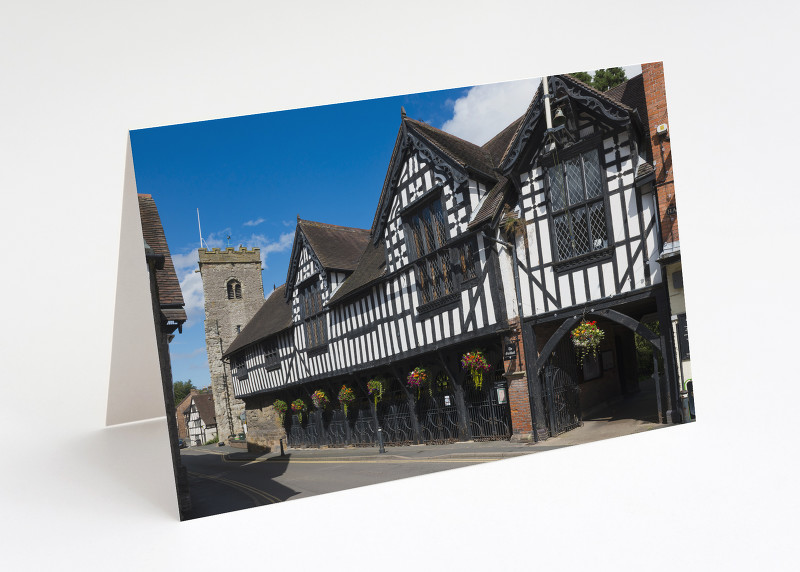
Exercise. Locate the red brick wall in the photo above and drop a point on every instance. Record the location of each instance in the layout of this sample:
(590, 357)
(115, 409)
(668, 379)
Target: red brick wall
(518, 400)
(656, 98)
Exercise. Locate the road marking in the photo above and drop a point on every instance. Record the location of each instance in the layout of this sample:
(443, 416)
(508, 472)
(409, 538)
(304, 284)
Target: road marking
(348, 460)
(247, 489)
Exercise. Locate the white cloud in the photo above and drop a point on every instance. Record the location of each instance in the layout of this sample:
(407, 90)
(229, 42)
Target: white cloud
(192, 288)
(255, 222)
(488, 109)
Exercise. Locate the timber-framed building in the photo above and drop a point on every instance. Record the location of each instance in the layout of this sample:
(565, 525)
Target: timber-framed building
(502, 248)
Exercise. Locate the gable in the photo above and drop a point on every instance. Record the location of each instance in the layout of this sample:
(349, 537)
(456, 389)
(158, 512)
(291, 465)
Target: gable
(577, 100)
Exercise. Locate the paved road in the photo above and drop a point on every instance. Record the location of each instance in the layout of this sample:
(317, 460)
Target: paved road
(223, 479)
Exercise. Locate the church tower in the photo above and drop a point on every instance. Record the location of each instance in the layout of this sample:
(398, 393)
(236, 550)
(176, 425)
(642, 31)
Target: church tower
(233, 293)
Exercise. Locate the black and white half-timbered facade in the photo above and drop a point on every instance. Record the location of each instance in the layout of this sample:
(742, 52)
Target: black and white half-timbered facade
(501, 248)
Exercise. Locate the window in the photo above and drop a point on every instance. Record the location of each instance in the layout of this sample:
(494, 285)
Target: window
(234, 290)
(426, 235)
(311, 305)
(578, 206)
(271, 357)
(440, 268)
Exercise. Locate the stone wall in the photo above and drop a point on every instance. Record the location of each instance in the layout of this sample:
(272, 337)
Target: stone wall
(224, 318)
(264, 428)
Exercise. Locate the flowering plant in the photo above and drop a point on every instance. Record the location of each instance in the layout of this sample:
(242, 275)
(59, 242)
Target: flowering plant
(320, 400)
(476, 364)
(586, 337)
(299, 406)
(376, 387)
(281, 407)
(346, 397)
(417, 378)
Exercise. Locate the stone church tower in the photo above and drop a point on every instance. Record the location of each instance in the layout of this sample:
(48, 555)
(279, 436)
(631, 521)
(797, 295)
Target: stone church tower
(233, 293)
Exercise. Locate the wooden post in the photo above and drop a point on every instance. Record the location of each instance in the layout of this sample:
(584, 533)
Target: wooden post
(411, 406)
(461, 406)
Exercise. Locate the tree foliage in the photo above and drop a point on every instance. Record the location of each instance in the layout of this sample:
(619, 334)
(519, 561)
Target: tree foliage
(603, 80)
(181, 389)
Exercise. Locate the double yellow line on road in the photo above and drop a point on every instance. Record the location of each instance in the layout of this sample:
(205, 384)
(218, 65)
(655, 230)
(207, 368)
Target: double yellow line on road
(256, 494)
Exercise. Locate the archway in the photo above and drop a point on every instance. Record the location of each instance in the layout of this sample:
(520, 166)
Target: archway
(558, 392)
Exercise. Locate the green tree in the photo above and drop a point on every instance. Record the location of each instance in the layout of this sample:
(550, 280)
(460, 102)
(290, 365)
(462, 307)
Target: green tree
(181, 389)
(582, 76)
(605, 79)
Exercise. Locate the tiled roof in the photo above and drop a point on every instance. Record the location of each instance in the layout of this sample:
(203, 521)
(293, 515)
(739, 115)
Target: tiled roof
(169, 288)
(498, 145)
(337, 247)
(631, 93)
(644, 170)
(371, 266)
(466, 153)
(275, 315)
(205, 407)
(492, 204)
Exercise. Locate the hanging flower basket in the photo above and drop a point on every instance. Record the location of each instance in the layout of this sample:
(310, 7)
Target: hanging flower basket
(346, 397)
(586, 338)
(299, 406)
(281, 407)
(475, 363)
(319, 399)
(376, 387)
(416, 379)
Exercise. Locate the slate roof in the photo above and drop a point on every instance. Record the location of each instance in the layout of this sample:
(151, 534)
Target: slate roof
(644, 170)
(371, 267)
(205, 408)
(337, 247)
(169, 288)
(274, 316)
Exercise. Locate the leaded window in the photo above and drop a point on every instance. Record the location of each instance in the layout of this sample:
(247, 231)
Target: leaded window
(311, 298)
(578, 206)
(440, 268)
(271, 357)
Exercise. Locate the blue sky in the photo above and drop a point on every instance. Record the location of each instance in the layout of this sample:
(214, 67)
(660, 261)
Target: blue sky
(251, 177)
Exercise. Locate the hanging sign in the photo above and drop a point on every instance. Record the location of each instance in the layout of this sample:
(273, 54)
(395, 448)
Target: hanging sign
(510, 351)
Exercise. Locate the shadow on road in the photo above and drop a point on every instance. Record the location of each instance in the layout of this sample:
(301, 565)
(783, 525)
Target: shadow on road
(223, 483)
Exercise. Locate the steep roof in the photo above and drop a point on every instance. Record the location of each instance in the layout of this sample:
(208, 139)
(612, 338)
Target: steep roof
(631, 93)
(466, 153)
(205, 408)
(371, 267)
(491, 204)
(498, 145)
(275, 315)
(336, 247)
(169, 288)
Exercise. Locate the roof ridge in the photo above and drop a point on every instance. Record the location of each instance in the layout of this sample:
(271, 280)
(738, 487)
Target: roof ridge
(329, 225)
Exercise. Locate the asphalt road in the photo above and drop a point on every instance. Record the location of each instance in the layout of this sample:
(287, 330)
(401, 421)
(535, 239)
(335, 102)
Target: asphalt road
(222, 481)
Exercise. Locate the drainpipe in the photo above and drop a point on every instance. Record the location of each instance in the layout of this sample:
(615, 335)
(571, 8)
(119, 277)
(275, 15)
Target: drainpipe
(547, 112)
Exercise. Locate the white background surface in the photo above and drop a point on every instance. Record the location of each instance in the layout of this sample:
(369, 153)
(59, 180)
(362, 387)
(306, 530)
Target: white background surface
(718, 494)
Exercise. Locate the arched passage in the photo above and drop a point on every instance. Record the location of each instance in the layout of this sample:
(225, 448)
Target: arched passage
(556, 383)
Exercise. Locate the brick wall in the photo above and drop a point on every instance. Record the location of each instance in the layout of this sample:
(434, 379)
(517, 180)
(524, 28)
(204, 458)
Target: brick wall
(518, 398)
(661, 154)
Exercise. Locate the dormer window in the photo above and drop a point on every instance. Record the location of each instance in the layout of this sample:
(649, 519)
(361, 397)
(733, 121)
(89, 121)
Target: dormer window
(234, 290)
(426, 233)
